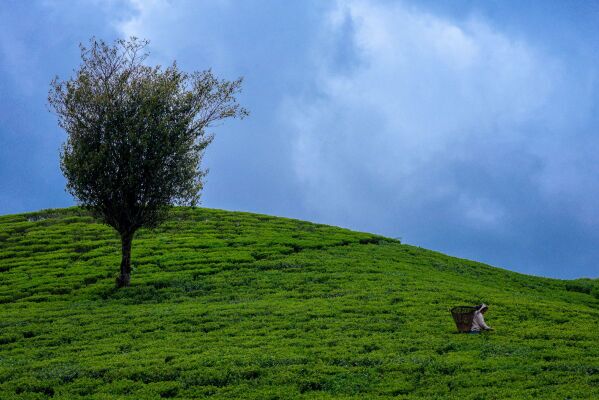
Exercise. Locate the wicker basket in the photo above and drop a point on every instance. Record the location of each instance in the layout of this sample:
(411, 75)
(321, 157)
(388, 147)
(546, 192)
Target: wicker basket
(463, 315)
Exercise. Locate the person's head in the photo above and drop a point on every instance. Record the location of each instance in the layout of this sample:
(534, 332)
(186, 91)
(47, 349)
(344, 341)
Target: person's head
(482, 308)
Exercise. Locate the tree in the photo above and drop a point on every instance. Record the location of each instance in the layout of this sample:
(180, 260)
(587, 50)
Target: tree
(136, 135)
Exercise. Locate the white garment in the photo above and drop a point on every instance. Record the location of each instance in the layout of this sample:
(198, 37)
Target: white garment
(478, 322)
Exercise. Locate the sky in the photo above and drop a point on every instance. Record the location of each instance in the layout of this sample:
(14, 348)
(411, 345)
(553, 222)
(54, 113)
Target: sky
(466, 127)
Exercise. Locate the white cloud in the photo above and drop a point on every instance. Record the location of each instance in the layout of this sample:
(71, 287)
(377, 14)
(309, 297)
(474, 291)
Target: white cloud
(185, 30)
(426, 101)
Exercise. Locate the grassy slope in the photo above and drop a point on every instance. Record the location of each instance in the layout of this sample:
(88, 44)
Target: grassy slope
(229, 304)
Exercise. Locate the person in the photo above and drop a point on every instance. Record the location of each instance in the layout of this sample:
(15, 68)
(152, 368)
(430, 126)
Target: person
(478, 321)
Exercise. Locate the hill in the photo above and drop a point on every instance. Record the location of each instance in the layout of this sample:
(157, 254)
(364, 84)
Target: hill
(238, 305)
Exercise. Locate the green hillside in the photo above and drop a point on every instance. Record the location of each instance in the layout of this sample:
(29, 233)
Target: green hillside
(237, 305)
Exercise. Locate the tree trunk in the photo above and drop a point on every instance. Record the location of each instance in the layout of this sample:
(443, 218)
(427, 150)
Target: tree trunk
(125, 277)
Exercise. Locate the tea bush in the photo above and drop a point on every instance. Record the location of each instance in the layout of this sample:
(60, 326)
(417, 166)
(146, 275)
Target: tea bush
(238, 305)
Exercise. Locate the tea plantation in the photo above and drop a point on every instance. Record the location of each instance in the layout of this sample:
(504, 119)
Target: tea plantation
(228, 305)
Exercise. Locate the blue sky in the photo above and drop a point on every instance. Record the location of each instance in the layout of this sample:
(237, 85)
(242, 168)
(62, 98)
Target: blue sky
(467, 127)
